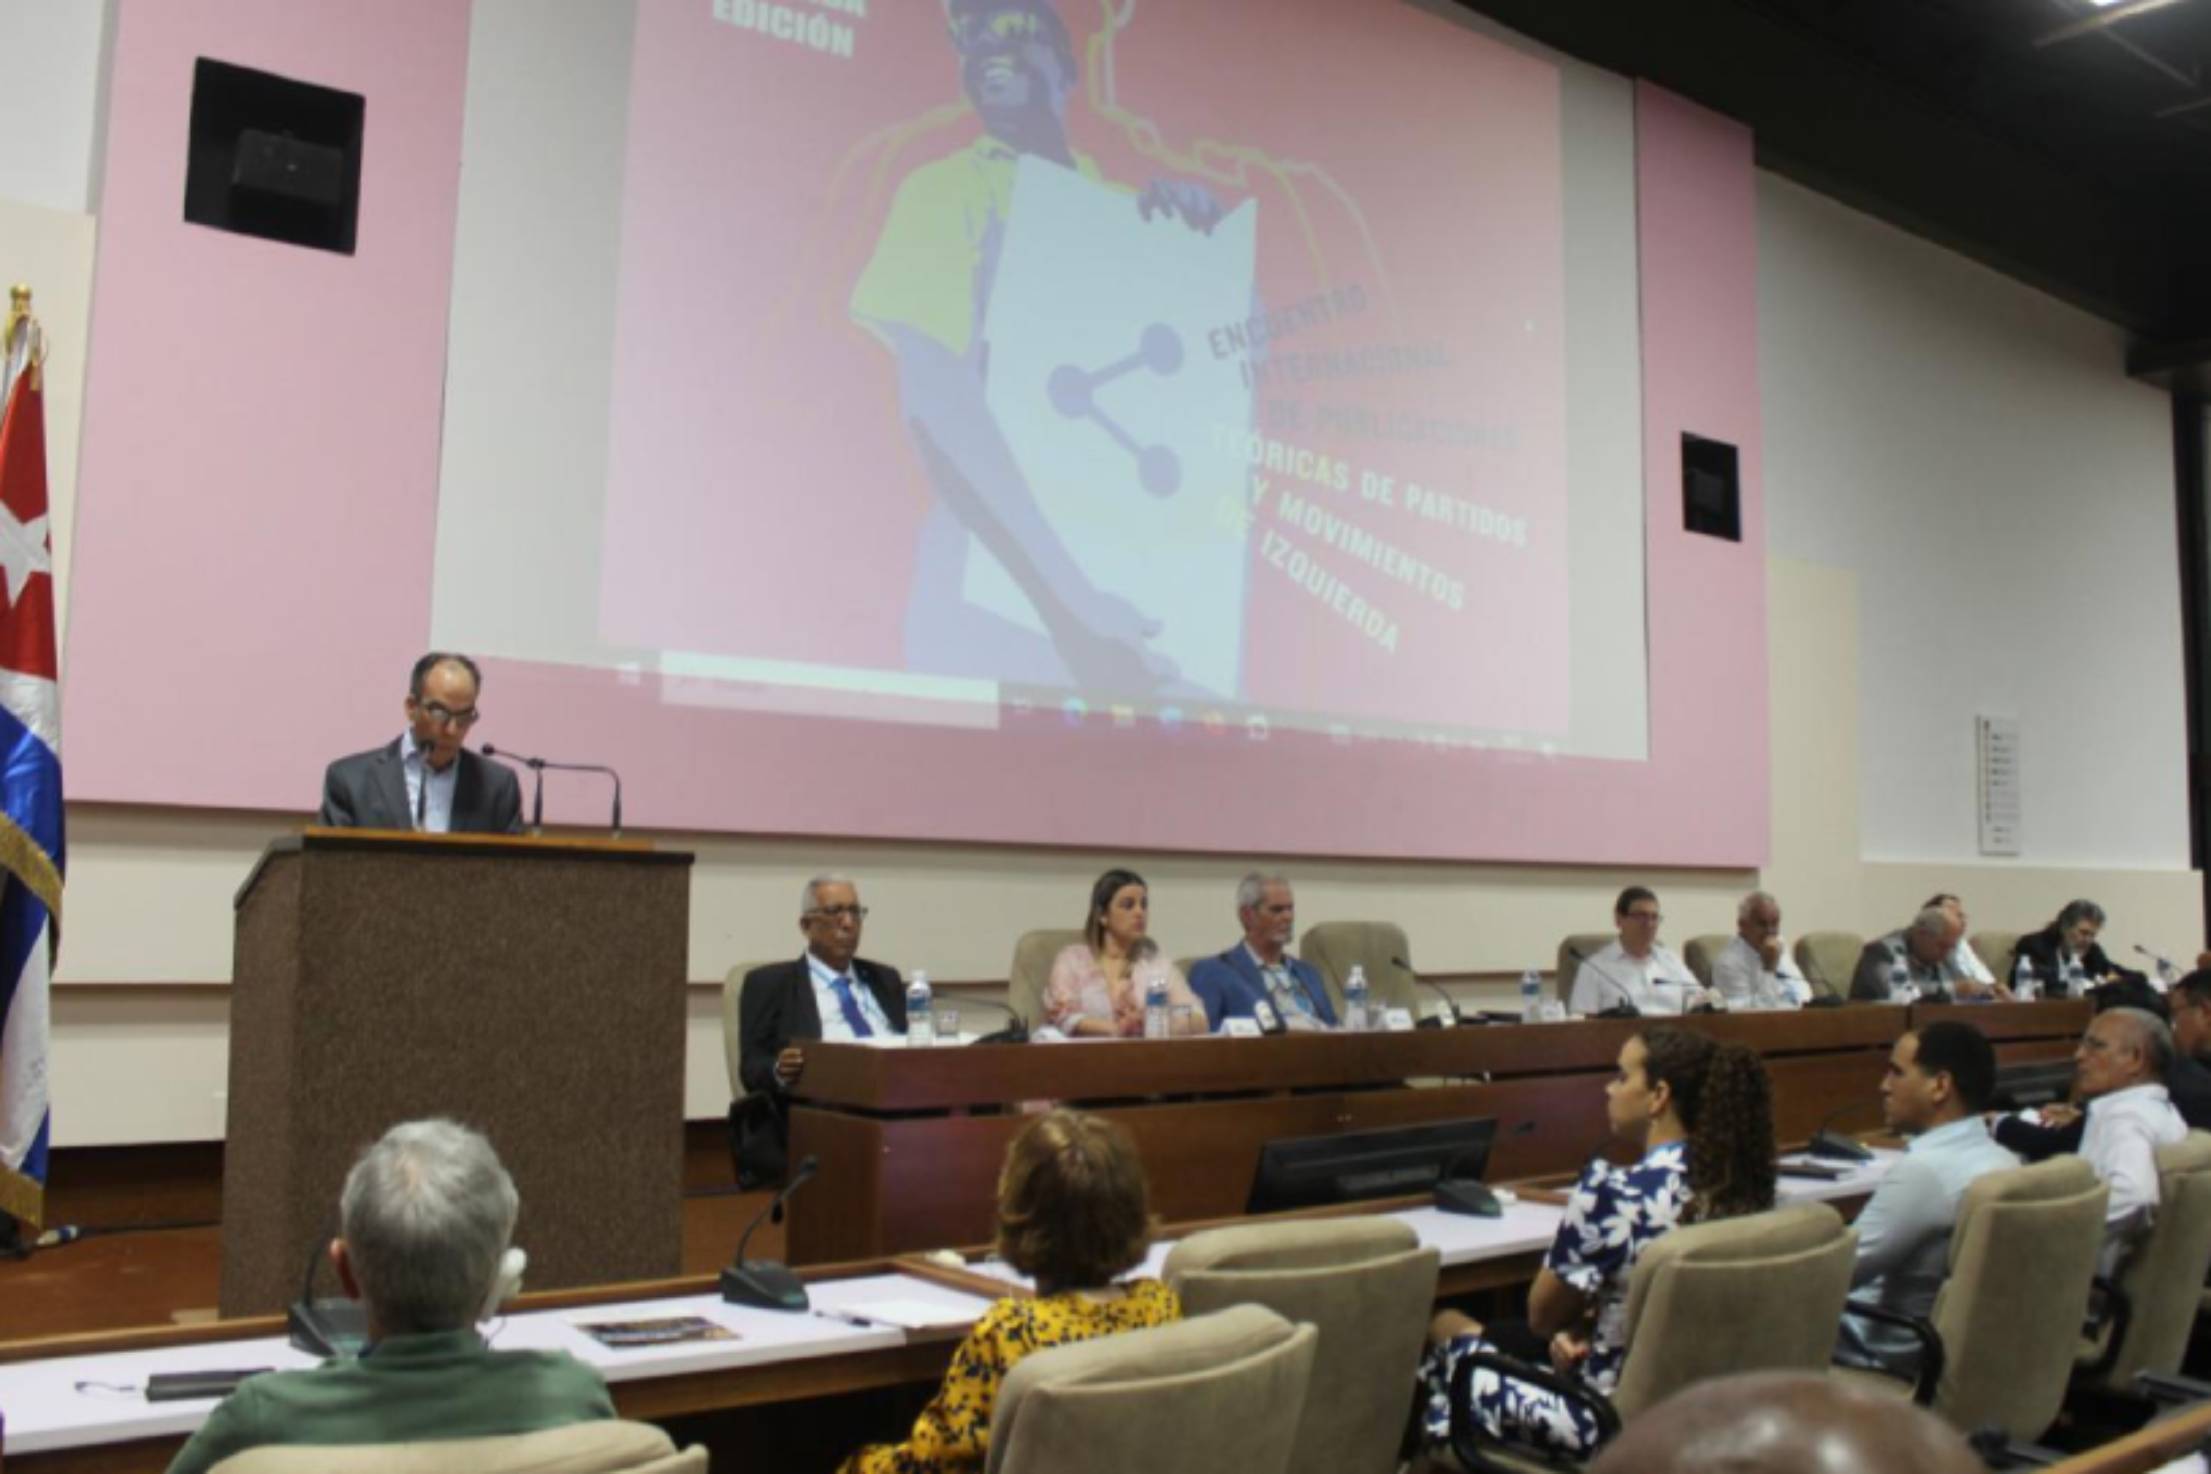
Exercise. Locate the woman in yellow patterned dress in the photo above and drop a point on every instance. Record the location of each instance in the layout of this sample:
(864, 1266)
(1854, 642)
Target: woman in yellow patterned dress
(1073, 1215)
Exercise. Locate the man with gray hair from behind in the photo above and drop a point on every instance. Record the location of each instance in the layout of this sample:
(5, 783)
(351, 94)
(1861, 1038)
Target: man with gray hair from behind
(425, 1222)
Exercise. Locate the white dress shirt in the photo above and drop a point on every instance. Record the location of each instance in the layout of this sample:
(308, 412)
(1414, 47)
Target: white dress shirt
(1658, 983)
(1739, 975)
(833, 1025)
(2120, 1140)
(437, 810)
(1967, 963)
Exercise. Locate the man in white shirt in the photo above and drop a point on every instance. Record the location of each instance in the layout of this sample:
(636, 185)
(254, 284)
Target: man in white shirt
(2119, 1075)
(1755, 971)
(1939, 1081)
(1635, 970)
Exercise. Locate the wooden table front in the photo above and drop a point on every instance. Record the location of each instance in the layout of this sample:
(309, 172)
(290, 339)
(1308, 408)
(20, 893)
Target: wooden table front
(910, 1140)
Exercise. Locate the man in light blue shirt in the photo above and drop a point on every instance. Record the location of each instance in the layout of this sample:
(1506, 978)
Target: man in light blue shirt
(1939, 1081)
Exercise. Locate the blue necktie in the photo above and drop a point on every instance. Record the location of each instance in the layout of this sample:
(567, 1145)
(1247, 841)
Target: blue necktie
(842, 987)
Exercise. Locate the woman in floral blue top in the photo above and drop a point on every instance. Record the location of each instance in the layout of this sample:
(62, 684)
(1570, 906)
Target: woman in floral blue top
(1701, 1113)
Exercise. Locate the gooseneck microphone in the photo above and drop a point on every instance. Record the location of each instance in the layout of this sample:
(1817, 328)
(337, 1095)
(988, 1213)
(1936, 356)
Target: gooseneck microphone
(324, 1328)
(541, 765)
(1625, 1008)
(1830, 1143)
(1016, 1030)
(767, 1283)
(1447, 1015)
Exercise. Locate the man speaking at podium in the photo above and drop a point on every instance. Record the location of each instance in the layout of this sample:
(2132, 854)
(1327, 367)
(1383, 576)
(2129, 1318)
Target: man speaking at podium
(425, 780)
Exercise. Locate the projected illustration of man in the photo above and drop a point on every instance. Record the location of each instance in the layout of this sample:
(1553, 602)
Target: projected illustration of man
(925, 292)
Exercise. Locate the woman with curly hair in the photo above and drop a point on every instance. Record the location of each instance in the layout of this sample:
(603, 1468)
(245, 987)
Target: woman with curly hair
(1700, 1112)
(1073, 1215)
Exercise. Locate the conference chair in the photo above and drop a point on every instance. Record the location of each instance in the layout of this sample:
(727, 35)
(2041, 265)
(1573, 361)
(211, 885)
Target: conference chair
(1828, 959)
(1365, 1285)
(1032, 969)
(1219, 1392)
(1703, 951)
(1995, 949)
(2000, 1342)
(604, 1446)
(1588, 944)
(744, 1106)
(1763, 1292)
(2160, 1284)
(1378, 946)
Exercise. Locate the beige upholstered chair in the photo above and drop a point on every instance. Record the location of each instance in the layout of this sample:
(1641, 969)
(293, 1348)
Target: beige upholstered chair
(2162, 1278)
(2007, 1353)
(606, 1446)
(1703, 951)
(1032, 969)
(1758, 1293)
(1994, 948)
(1220, 1392)
(1365, 1284)
(1589, 944)
(733, 1037)
(1828, 959)
(1335, 946)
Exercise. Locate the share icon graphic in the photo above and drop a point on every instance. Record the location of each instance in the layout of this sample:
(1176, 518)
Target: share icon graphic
(1074, 394)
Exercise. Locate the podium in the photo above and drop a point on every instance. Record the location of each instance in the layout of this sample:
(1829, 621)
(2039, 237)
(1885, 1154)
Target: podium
(532, 989)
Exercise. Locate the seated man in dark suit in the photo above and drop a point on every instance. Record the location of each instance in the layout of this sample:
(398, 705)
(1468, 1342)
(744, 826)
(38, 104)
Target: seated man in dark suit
(425, 780)
(1260, 969)
(424, 1227)
(2070, 963)
(829, 993)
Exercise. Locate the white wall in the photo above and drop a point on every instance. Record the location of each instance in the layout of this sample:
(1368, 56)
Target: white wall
(1926, 425)
(1975, 453)
(50, 103)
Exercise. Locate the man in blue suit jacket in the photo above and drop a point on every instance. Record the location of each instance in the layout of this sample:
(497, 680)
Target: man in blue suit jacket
(1260, 967)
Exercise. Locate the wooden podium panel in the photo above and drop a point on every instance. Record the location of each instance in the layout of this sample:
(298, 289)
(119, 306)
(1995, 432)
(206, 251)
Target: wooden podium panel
(530, 988)
(910, 1140)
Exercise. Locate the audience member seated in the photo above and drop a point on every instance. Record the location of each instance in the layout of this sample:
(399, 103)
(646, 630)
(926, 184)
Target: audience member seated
(1701, 1113)
(1964, 961)
(1260, 969)
(1755, 971)
(1919, 956)
(1787, 1423)
(2119, 1075)
(1938, 1083)
(424, 1223)
(1635, 970)
(1097, 985)
(1073, 1215)
(830, 992)
(2058, 1127)
(2068, 960)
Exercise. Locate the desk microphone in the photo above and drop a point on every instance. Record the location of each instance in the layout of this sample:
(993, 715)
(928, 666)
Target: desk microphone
(540, 765)
(1016, 1030)
(1827, 1143)
(1444, 1017)
(325, 1328)
(1625, 1008)
(766, 1283)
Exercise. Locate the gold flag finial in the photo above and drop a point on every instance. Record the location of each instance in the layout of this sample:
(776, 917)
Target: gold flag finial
(22, 320)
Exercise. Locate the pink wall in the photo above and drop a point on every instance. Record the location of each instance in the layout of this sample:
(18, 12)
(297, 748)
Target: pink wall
(258, 490)
(258, 505)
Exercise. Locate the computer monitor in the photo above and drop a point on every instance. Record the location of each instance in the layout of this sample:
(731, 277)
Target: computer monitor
(1308, 1171)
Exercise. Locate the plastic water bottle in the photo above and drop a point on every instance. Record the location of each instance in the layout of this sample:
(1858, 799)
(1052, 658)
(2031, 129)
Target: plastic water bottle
(2025, 986)
(1531, 997)
(1156, 1024)
(2167, 974)
(921, 1025)
(1355, 1001)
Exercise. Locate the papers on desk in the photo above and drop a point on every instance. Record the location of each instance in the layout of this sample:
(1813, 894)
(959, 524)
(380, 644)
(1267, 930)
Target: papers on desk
(663, 1330)
(1855, 1180)
(907, 1314)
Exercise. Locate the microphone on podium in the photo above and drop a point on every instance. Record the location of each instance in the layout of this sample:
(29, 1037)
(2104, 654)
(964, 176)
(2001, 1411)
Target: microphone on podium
(767, 1283)
(1625, 1008)
(540, 765)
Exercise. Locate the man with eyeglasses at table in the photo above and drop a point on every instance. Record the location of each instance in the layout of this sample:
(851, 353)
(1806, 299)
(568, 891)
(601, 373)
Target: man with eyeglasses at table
(830, 993)
(426, 780)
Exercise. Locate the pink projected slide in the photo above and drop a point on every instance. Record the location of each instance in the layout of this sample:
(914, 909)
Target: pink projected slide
(1182, 356)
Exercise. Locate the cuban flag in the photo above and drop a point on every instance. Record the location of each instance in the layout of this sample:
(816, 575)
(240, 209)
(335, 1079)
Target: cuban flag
(30, 777)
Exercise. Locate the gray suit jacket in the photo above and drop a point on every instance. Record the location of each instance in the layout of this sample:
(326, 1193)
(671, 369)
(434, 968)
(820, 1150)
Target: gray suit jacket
(369, 791)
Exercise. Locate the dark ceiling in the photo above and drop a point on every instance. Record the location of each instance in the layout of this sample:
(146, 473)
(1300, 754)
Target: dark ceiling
(2050, 163)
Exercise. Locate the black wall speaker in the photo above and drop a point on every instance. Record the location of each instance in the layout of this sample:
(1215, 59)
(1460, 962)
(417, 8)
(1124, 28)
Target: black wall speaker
(1711, 493)
(273, 157)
